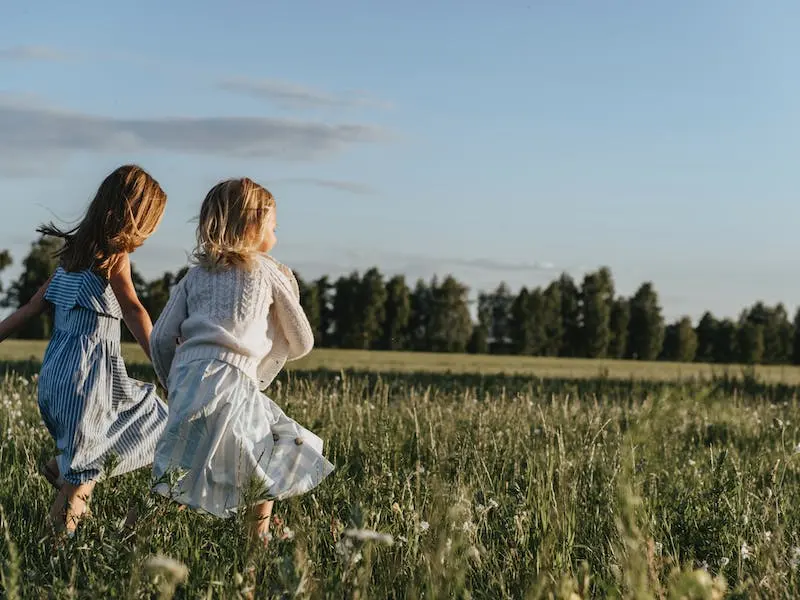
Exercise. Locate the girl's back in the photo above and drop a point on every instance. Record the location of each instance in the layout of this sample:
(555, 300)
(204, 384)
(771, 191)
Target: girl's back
(84, 389)
(93, 410)
(226, 315)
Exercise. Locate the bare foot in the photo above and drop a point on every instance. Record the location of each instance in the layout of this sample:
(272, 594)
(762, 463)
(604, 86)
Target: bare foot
(259, 526)
(70, 506)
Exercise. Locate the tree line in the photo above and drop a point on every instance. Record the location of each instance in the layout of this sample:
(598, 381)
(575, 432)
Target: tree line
(566, 318)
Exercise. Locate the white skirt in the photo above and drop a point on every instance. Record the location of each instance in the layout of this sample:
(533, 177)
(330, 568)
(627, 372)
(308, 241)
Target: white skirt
(223, 434)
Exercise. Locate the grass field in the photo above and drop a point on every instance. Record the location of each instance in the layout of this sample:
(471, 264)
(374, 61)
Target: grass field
(413, 362)
(486, 486)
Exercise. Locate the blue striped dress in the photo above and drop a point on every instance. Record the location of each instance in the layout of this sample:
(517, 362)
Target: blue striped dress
(93, 410)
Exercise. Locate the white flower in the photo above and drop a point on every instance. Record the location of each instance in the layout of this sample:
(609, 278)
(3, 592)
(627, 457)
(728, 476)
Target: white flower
(288, 534)
(691, 463)
(745, 551)
(424, 526)
(795, 560)
(724, 561)
(659, 548)
(767, 536)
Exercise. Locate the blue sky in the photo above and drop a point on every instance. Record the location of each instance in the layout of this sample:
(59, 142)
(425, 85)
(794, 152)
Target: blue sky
(498, 143)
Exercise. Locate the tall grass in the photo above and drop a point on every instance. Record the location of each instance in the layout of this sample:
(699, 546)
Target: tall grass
(452, 486)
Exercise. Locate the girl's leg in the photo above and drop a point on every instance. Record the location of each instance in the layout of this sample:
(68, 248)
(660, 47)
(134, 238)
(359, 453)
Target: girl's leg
(259, 525)
(70, 505)
(50, 472)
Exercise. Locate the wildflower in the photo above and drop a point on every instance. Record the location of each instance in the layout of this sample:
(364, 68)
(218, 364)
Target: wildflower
(768, 536)
(795, 560)
(396, 508)
(469, 527)
(746, 552)
(724, 561)
(659, 548)
(287, 534)
(424, 526)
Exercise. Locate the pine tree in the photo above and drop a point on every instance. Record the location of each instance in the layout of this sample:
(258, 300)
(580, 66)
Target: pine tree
(707, 332)
(309, 300)
(371, 308)
(500, 337)
(419, 322)
(646, 326)
(346, 332)
(551, 320)
(398, 315)
(595, 315)
(520, 324)
(680, 341)
(570, 317)
(450, 325)
(618, 325)
(479, 340)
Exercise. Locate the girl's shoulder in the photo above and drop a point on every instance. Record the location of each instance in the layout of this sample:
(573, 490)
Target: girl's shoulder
(83, 288)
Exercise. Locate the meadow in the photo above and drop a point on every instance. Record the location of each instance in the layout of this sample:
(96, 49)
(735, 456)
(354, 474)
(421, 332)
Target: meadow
(574, 482)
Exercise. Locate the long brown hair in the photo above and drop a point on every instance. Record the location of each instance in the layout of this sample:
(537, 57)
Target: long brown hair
(125, 211)
(233, 218)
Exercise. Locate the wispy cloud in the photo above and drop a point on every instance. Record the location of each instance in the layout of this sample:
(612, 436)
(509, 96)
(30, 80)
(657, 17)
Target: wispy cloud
(290, 96)
(31, 130)
(352, 187)
(32, 53)
(486, 264)
(339, 260)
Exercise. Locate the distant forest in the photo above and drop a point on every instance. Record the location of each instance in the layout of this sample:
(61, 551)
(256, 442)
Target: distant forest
(567, 318)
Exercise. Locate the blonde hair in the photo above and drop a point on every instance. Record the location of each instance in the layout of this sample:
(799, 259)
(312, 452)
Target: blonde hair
(125, 211)
(233, 220)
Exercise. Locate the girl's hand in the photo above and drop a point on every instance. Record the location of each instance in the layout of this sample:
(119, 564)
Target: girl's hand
(33, 308)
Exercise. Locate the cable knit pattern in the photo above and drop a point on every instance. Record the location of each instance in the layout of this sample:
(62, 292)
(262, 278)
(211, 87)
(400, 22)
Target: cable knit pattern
(249, 318)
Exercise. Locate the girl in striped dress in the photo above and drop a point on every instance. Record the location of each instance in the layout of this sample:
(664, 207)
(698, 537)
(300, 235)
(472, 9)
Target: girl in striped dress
(91, 407)
(229, 327)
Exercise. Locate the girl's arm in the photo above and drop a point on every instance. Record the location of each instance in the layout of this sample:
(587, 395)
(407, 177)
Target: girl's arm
(167, 331)
(133, 313)
(33, 308)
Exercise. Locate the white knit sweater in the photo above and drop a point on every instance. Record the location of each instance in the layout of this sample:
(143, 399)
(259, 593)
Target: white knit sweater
(251, 319)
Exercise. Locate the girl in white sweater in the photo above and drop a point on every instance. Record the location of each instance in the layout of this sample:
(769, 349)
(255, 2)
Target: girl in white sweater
(230, 326)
